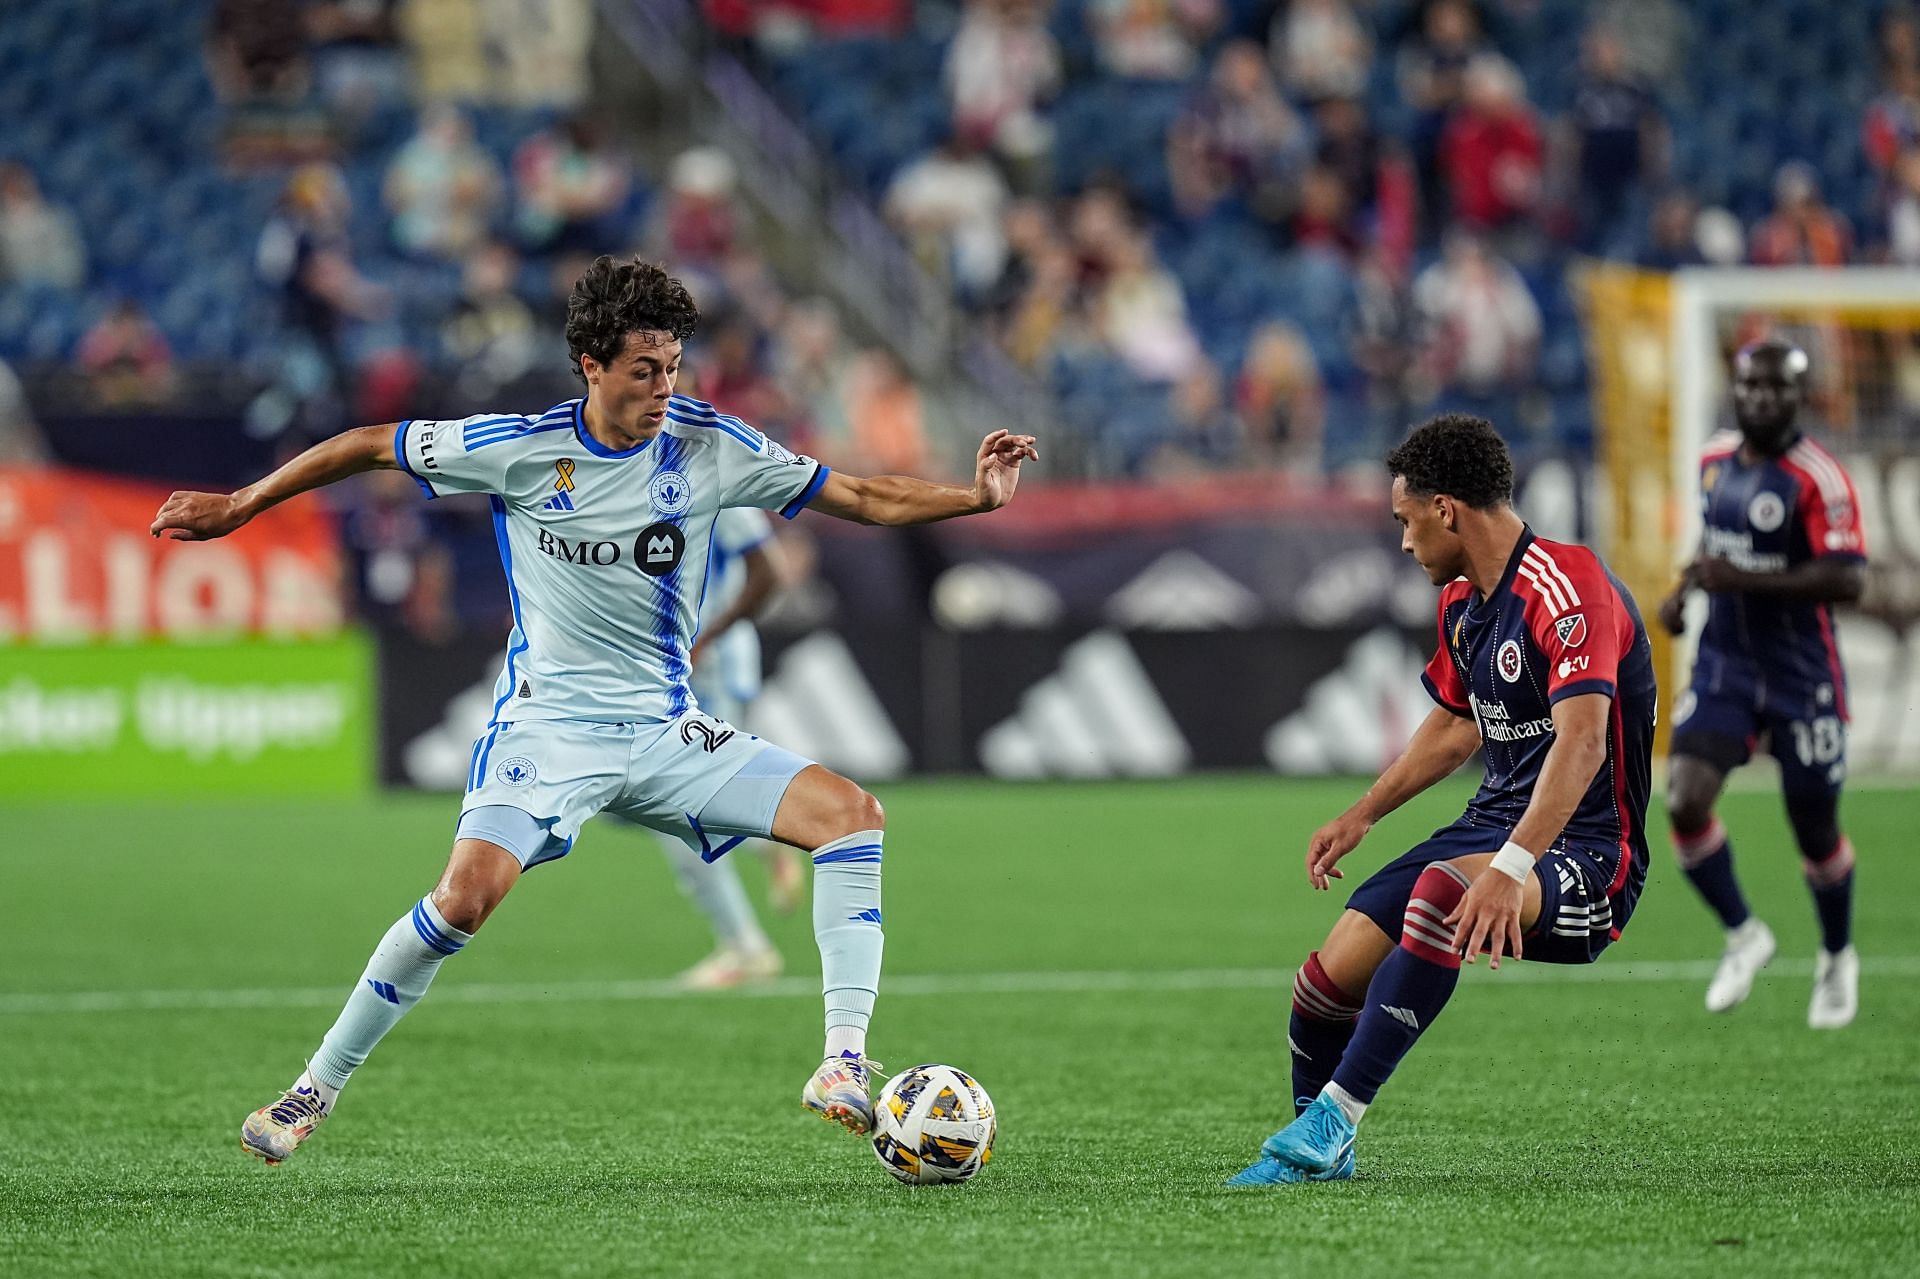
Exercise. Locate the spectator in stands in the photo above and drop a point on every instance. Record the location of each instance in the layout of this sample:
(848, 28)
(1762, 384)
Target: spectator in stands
(1671, 239)
(1201, 430)
(887, 430)
(442, 187)
(1432, 68)
(1321, 50)
(39, 242)
(571, 188)
(1142, 313)
(811, 366)
(1152, 39)
(1050, 312)
(1903, 211)
(491, 333)
(1897, 40)
(305, 256)
(1491, 150)
(1237, 137)
(126, 360)
(1002, 65)
(698, 224)
(20, 442)
(358, 62)
(1482, 327)
(1279, 400)
(402, 574)
(257, 50)
(1617, 139)
(1324, 221)
(1801, 230)
(1347, 143)
(1893, 118)
(729, 372)
(950, 205)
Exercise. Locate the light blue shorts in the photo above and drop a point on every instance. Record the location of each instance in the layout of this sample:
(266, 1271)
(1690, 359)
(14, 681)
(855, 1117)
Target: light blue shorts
(532, 784)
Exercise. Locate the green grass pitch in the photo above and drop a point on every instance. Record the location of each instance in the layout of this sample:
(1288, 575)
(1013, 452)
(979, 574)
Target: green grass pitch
(1112, 963)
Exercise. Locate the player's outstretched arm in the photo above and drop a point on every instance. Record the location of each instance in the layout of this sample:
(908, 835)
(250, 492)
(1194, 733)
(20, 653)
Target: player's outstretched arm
(197, 517)
(1488, 917)
(1442, 743)
(901, 499)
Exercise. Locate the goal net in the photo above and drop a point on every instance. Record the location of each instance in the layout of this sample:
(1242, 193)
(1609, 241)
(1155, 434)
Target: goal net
(1660, 348)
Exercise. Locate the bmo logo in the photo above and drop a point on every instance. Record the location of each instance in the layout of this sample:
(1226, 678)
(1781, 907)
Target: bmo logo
(582, 552)
(659, 549)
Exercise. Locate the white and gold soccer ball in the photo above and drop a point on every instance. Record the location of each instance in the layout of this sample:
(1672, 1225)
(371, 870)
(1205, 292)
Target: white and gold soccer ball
(933, 1125)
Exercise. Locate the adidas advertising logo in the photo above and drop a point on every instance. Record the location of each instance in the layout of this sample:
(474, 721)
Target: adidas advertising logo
(818, 704)
(1097, 716)
(1356, 718)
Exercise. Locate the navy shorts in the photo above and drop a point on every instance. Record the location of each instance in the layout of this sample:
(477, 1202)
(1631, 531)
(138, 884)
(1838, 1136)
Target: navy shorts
(1577, 918)
(1803, 732)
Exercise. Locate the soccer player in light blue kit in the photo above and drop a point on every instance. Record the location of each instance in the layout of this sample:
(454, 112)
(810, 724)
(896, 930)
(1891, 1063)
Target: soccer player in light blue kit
(603, 509)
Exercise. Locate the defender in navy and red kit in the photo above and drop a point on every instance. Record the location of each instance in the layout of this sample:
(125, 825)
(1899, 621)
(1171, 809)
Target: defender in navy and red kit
(1782, 544)
(1543, 668)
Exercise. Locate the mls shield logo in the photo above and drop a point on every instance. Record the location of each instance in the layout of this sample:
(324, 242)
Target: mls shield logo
(1509, 662)
(518, 771)
(1572, 630)
(671, 493)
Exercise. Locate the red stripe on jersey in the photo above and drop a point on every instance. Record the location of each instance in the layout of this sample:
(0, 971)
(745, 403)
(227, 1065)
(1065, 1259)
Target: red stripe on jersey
(1825, 615)
(1618, 750)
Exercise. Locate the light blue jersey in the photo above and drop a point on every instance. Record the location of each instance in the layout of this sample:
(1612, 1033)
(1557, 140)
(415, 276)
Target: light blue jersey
(607, 553)
(731, 666)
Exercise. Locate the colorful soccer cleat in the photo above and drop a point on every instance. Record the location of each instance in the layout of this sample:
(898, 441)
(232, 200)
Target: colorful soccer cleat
(1749, 948)
(1318, 1141)
(1268, 1171)
(1836, 990)
(839, 1092)
(731, 966)
(275, 1131)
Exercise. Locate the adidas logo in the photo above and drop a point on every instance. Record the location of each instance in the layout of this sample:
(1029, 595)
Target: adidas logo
(1402, 1015)
(385, 990)
(818, 705)
(1297, 1051)
(1097, 716)
(973, 596)
(871, 915)
(1180, 591)
(1358, 717)
(558, 502)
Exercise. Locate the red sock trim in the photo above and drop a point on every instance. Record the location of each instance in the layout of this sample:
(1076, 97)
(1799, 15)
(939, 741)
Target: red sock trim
(1702, 844)
(1424, 930)
(1315, 996)
(1833, 868)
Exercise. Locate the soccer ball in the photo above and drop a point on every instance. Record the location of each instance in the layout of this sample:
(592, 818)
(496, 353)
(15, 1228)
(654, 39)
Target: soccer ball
(933, 1125)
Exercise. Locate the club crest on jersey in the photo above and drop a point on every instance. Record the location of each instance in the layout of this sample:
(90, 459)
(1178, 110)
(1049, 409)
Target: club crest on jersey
(1766, 512)
(1509, 662)
(671, 493)
(518, 771)
(1571, 630)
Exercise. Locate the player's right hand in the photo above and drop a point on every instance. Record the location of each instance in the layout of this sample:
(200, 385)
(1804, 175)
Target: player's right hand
(198, 517)
(1332, 842)
(1673, 612)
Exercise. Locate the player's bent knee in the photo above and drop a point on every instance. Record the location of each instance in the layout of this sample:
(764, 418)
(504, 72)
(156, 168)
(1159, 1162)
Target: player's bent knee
(1424, 929)
(477, 879)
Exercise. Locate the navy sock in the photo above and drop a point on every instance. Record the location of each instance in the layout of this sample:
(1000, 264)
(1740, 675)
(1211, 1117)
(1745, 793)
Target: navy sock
(1831, 882)
(1318, 1031)
(1707, 858)
(1411, 986)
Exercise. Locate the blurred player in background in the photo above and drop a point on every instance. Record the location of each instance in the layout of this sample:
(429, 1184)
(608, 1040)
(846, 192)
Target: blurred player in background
(1782, 545)
(604, 509)
(1544, 668)
(746, 570)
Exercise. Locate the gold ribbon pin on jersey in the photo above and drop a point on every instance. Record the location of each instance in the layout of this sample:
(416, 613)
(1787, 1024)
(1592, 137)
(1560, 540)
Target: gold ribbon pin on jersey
(565, 483)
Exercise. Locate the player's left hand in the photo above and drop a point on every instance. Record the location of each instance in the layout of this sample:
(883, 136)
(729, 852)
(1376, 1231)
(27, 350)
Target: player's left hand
(1488, 917)
(1713, 574)
(996, 468)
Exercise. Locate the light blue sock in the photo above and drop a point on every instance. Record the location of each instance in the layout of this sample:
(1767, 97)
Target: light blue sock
(402, 967)
(846, 923)
(716, 889)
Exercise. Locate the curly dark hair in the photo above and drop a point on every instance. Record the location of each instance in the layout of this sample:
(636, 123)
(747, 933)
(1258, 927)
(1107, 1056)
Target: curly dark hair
(615, 297)
(1458, 455)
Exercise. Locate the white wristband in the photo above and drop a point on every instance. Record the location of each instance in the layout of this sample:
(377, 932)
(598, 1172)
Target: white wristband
(1513, 861)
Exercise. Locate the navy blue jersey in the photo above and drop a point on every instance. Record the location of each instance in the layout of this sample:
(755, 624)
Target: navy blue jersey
(1768, 516)
(1558, 625)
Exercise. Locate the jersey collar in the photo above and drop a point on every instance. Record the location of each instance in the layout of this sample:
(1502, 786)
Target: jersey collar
(594, 446)
(1513, 566)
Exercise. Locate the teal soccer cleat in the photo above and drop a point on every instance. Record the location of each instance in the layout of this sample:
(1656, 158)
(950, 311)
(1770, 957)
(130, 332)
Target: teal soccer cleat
(1318, 1141)
(1268, 1171)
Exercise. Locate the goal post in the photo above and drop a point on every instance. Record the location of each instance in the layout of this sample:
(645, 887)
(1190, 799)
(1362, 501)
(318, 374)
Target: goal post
(1660, 348)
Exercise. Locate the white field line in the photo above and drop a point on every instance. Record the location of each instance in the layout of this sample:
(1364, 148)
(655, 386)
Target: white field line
(1033, 983)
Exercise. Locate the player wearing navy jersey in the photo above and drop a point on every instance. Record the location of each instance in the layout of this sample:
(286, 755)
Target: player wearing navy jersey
(1544, 669)
(1782, 544)
(604, 510)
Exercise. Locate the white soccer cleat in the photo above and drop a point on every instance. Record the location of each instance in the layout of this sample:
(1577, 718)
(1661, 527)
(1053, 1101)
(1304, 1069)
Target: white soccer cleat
(731, 966)
(1836, 990)
(276, 1130)
(839, 1092)
(1749, 947)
